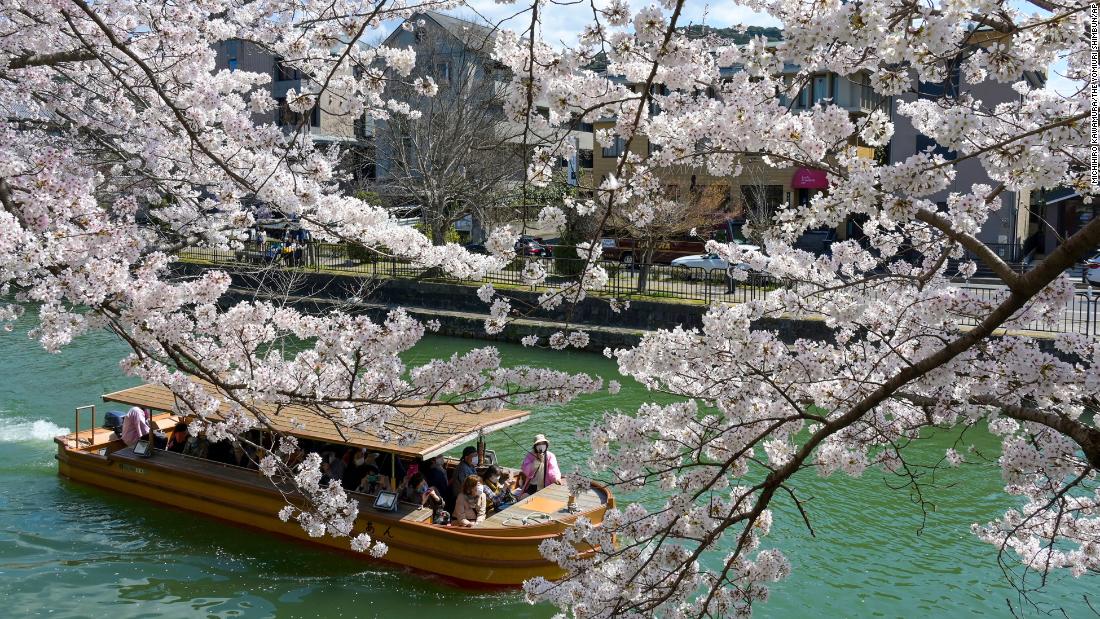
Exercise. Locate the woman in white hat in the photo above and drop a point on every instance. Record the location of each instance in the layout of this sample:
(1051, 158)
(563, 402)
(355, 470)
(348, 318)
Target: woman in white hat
(540, 466)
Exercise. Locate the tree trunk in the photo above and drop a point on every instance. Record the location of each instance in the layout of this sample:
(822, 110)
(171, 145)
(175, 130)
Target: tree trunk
(578, 229)
(643, 266)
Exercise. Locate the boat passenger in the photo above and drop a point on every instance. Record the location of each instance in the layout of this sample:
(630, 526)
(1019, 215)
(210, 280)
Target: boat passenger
(470, 506)
(357, 468)
(436, 475)
(389, 464)
(336, 466)
(328, 475)
(517, 486)
(177, 440)
(416, 490)
(197, 447)
(490, 484)
(466, 467)
(540, 466)
(135, 426)
(371, 482)
(239, 456)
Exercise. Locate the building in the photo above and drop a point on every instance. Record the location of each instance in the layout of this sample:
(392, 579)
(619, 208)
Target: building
(462, 156)
(762, 188)
(759, 188)
(1009, 228)
(325, 124)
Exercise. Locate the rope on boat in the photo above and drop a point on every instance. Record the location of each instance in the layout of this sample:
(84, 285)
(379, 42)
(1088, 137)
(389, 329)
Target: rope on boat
(526, 520)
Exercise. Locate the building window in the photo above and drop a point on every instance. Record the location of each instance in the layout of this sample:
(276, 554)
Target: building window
(949, 87)
(232, 53)
(284, 73)
(821, 88)
(443, 71)
(924, 142)
(615, 149)
(286, 117)
(584, 159)
(762, 200)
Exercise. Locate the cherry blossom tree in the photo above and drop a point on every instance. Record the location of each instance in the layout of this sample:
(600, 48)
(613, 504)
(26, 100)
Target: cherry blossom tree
(909, 351)
(114, 108)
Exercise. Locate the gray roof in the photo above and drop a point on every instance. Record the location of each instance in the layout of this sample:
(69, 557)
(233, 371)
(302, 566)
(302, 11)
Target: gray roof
(470, 33)
(473, 36)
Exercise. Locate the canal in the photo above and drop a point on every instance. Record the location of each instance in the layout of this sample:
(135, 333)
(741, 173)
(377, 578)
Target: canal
(68, 551)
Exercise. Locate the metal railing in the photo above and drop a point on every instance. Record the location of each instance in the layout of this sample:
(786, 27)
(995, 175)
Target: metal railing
(659, 282)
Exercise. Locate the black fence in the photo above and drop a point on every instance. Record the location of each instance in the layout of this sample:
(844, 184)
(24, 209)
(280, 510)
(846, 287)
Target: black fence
(647, 282)
(655, 281)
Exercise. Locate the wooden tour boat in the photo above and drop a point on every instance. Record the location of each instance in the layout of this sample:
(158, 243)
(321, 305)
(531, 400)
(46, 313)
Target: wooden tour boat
(502, 551)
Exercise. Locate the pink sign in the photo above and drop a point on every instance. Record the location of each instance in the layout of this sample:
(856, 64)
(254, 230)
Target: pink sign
(809, 178)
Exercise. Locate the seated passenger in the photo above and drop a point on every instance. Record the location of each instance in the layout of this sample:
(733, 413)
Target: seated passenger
(356, 469)
(197, 447)
(436, 476)
(135, 426)
(415, 489)
(540, 467)
(466, 467)
(470, 505)
(387, 465)
(491, 487)
(177, 440)
(517, 487)
(335, 465)
(239, 456)
(505, 495)
(371, 483)
(328, 475)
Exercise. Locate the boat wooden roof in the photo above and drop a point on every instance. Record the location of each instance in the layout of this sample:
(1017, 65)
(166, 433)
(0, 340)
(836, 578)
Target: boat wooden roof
(435, 428)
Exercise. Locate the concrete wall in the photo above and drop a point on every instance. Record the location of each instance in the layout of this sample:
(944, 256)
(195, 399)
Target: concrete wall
(1009, 223)
(461, 314)
(335, 125)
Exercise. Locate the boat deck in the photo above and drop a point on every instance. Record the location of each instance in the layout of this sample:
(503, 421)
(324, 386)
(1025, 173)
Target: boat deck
(545, 505)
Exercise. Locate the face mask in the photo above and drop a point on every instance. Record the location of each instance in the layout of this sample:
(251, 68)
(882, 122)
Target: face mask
(422, 488)
(480, 489)
(473, 460)
(540, 449)
(359, 460)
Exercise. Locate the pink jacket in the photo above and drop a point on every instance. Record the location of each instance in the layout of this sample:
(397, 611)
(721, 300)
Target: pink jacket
(134, 426)
(530, 465)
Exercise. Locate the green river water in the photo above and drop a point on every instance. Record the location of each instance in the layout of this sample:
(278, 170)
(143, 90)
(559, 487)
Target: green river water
(73, 551)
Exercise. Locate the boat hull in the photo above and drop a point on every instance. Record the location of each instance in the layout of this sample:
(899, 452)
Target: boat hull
(503, 557)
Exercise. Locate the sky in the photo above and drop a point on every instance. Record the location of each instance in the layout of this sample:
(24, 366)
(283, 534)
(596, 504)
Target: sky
(561, 24)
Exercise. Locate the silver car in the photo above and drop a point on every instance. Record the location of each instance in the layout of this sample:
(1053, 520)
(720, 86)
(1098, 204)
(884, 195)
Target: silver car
(1090, 274)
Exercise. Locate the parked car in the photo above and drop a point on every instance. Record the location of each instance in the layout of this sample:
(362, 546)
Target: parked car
(547, 248)
(707, 262)
(628, 250)
(710, 262)
(1090, 274)
(476, 248)
(818, 242)
(530, 246)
